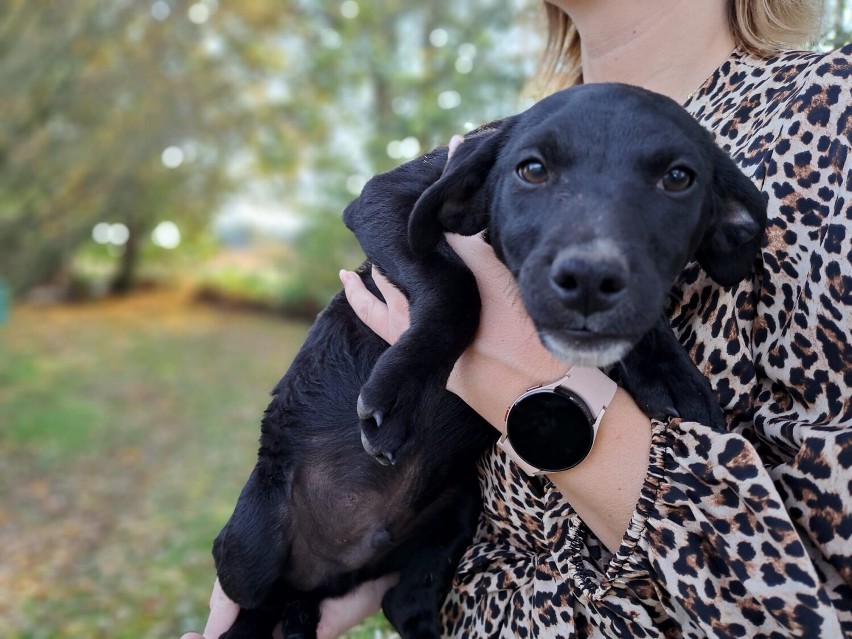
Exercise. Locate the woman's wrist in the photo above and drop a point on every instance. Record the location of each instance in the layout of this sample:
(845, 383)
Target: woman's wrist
(491, 395)
(616, 466)
(618, 462)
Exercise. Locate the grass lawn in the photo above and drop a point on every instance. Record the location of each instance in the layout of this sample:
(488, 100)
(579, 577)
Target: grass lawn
(127, 429)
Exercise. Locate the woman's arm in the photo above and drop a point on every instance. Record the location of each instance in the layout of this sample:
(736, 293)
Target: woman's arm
(505, 359)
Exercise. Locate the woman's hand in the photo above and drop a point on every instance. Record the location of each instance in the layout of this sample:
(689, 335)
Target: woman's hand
(223, 613)
(336, 615)
(506, 356)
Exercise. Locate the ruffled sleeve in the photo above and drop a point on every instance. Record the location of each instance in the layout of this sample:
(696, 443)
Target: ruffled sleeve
(720, 545)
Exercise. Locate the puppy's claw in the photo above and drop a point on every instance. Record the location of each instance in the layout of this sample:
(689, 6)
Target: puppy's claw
(363, 411)
(384, 458)
(366, 413)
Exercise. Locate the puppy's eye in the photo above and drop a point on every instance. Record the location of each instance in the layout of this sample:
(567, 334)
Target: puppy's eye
(677, 179)
(532, 171)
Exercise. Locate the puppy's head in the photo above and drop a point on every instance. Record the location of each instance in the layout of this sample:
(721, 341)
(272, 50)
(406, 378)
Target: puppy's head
(595, 199)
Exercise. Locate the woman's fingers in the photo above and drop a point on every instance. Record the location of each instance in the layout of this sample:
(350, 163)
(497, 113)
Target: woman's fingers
(396, 302)
(223, 613)
(339, 615)
(387, 319)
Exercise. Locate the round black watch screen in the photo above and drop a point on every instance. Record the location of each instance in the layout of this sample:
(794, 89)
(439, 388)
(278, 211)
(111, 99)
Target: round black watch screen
(550, 431)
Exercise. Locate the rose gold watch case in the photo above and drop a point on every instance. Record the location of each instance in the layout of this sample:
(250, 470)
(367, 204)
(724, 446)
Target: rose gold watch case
(589, 385)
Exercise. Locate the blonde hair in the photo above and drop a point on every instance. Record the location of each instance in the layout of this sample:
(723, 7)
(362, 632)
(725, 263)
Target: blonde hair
(758, 26)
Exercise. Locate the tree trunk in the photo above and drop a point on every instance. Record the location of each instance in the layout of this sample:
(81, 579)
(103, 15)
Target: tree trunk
(125, 278)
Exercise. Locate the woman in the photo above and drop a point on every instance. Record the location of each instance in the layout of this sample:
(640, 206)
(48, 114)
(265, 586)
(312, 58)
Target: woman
(672, 529)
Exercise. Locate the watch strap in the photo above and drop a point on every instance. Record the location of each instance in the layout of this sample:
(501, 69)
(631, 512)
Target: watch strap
(593, 386)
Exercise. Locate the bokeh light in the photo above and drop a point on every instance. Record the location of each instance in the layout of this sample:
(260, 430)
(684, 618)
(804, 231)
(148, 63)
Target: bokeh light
(330, 39)
(160, 10)
(449, 99)
(439, 37)
(118, 234)
(404, 149)
(172, 157)
(350, 9)
(100, 233)
(354, 183)
(464, 64)
(166, 235)
(199, 13)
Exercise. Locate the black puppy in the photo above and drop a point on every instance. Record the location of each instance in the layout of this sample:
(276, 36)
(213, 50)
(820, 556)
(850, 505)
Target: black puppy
(595, 199)
(318, 515)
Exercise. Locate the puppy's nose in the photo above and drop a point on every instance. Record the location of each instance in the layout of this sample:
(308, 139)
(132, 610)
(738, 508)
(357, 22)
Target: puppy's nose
(588, 281)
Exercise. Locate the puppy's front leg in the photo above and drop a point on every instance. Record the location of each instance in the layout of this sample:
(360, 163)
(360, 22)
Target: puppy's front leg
(406, 384)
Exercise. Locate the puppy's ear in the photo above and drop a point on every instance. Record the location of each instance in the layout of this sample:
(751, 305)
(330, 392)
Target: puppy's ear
(730, 244)
(458, 201)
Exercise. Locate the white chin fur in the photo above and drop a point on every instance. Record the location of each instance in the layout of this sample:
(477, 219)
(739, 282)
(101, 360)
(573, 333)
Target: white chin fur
(579, 354)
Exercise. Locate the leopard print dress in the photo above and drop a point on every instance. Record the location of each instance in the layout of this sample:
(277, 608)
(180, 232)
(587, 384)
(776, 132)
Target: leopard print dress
(743, 533)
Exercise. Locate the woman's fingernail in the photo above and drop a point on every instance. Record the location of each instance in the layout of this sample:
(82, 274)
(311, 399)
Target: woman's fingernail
(455, 141)
(343, 275)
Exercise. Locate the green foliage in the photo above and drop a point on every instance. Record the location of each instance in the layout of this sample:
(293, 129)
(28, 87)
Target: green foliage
(321, 250)
(295, 96)
(100, 92)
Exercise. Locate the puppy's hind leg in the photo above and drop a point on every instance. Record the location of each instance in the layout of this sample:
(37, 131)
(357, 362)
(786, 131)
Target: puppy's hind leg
(413, 605)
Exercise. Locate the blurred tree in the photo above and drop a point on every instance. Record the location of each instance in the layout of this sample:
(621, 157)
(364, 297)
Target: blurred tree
(379, 82)
(135, 111)
(837, 23)
(119, 112)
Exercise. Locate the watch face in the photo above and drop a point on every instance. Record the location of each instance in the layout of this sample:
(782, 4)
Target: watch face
(551, 430)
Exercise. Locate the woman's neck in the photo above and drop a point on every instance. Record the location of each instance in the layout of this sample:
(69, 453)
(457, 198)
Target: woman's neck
(667, 46)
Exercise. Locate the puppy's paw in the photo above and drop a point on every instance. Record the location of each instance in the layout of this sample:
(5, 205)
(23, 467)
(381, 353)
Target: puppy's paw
(386, 408)
(382, 438)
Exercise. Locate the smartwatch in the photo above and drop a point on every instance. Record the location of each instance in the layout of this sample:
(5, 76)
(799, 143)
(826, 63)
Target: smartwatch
(552, 427)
